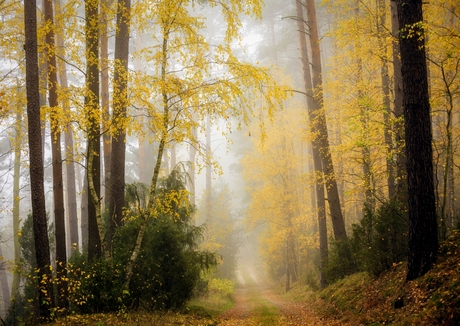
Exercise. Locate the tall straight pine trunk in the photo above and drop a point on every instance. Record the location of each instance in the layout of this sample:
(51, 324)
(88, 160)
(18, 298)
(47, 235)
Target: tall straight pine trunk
(58, 184)
(423, 233)
(40, 228)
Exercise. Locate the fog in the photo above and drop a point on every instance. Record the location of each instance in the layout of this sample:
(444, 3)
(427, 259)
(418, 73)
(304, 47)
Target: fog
(270, 142)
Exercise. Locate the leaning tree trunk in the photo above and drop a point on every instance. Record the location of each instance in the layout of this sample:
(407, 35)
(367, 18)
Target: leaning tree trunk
(58, 187)
(423, 233)
(40, 228)
(318, 121)
(317, 164)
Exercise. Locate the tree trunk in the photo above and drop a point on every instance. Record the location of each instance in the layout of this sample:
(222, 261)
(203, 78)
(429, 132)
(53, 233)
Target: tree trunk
(106, 139)
(317, 165)
(423, 236)
(120, 104)
(58, 186)
(156, 171)
(5, 289)
(93, 164)
(319, 126)
(208, 169)
(40, 228)
(401, 178)
(71, 187)
(381, 30)
(16, 198)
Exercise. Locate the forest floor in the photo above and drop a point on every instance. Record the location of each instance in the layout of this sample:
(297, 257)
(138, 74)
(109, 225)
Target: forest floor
(359, 299)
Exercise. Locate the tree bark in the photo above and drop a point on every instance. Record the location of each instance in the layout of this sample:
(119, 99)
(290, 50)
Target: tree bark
(317, 164)
(40, 228)
(58, 186)
(120, 104)
(318, 121)
(423, 235)
(93, 164)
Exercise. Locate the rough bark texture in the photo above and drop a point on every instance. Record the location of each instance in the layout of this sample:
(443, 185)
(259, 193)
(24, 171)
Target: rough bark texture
(92, 108)
(40, 229)
(58, 184)
(318, 121)
(120, 103)
(317, 165)
(423, 236)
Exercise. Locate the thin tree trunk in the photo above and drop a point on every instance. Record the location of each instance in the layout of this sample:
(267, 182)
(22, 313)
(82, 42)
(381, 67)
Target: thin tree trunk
(93, 164)
(208, 170)
(71, 187)
(401, 178)
(318, 121)
(40, 228)
(16, 199)
(156, 171)
(4, 282)
(423, 235)
(106, 139)
(386, 98)
(58, 186)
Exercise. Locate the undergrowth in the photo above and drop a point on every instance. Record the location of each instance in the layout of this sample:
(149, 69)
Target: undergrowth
(362, 299)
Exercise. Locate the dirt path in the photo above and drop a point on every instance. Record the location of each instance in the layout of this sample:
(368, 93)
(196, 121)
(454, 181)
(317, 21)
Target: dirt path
(257, 304)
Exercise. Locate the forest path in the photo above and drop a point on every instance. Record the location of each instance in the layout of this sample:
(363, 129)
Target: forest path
(257, 304)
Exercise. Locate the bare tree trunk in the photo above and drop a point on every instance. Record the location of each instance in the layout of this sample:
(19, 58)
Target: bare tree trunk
(423, 235)
(120, 106)
(58, 185)
(318, 121)
(208, 169)
(40, 228)
(317, 164)
(16, 198)
(4, 283)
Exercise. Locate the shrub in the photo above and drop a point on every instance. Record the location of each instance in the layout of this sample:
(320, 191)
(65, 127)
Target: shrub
(378, 241)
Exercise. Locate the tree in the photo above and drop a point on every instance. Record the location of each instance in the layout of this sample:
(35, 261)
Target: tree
(423, 236)
(58, 187)
(92, 110)
(120, 106)
(317, 165)
(40, 228)
(318, 121)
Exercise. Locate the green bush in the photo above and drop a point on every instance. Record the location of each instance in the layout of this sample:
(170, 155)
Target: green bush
(378, 241)
(169, 264)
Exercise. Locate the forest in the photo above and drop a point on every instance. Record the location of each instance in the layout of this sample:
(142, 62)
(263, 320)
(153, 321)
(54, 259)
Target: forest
(206, 162)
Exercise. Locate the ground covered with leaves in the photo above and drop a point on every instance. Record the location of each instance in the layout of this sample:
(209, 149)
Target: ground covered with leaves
(359, 299)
